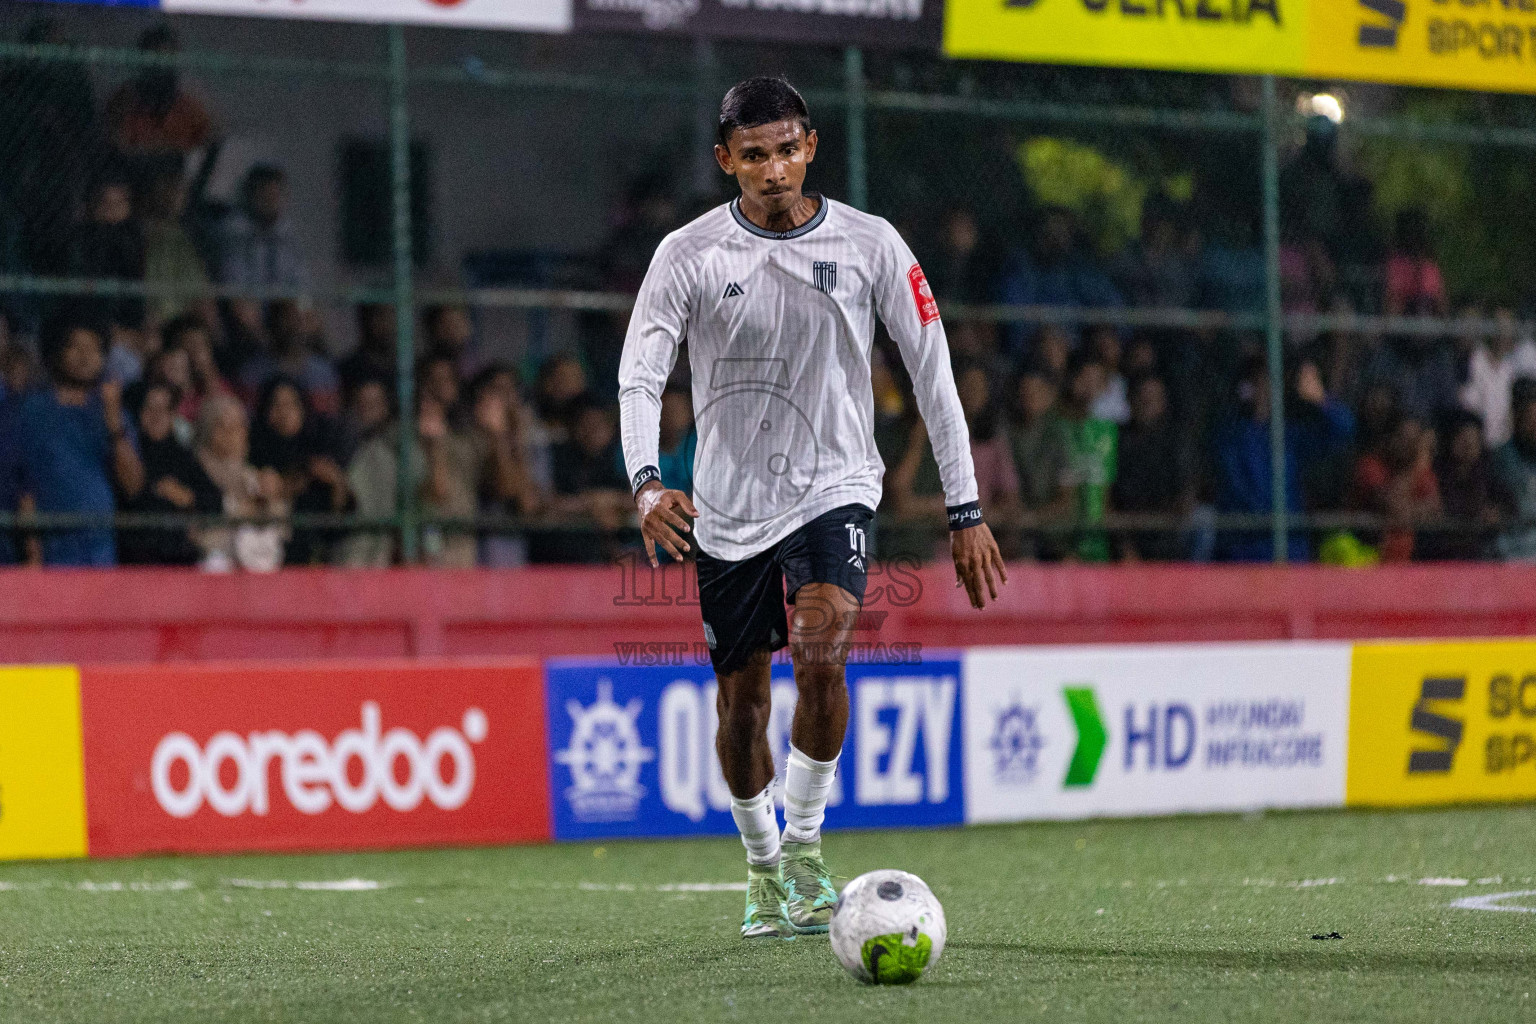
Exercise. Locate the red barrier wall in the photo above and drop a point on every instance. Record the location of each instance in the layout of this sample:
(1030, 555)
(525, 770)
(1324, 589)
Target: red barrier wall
(130, 615)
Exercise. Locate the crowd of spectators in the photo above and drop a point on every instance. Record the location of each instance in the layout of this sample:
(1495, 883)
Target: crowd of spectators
(1091, 441)
(1098, 442)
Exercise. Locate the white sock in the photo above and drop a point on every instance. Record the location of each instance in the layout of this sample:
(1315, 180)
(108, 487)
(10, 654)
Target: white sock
(759, 827)
(807, 782)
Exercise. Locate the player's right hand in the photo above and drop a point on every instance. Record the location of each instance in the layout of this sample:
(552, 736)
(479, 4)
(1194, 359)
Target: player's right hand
(661, 519)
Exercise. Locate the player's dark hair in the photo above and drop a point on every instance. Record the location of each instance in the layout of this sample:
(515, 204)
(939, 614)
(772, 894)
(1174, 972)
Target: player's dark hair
(761, 100)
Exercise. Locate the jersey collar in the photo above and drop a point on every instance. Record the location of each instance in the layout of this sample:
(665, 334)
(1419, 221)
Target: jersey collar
(780, 236)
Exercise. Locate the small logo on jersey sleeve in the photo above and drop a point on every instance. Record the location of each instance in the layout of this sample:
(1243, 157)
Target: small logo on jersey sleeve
(732, 290)
(927, 308)
(824, 274)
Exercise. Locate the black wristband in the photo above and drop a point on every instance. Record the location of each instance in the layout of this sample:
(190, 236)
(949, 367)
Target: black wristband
(963, 517)
(644, 476)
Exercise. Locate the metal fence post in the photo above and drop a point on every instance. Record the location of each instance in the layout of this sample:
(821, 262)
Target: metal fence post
(858, 169)
(405, 303)
(1269, 159)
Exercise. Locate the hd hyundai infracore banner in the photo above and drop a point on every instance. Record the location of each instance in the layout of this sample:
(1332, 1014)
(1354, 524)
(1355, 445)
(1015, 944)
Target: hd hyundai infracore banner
(348, 755)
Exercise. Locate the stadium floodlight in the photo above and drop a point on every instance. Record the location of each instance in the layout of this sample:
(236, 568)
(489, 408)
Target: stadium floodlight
(1321, 104)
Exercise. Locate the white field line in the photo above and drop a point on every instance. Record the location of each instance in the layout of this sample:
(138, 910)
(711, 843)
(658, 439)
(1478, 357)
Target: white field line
(1495, 901)
(664, 887)
(1443, 881)
(339, 885)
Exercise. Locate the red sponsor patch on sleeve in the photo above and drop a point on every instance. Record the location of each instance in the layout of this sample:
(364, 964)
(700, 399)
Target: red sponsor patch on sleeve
(927, 308)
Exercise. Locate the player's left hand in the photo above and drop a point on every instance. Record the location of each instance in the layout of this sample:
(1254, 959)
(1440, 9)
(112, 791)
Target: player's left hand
(976, 559)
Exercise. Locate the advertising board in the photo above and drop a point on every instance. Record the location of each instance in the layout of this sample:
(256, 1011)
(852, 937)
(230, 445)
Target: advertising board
(891, 23)
(1075, 732)
(201, 758)
(525, 15)
(1435, 723)
(632, 748)
(1451, 43)
(42, 789)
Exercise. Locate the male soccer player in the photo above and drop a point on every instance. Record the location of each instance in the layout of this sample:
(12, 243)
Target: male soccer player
(776, 294)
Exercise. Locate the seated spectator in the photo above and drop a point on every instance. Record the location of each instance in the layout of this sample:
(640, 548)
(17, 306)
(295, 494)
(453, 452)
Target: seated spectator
(1399, 485)
(246, 493)
(152, 114)
(1091, 462)
(447, 330)
(1468, 497)
(1058, 270)
(1052, 352)
(452, 469)
(174, 482)
(374, 357)
(190, 335)
(292, 355)
(1514, 473)
(500, 421)
(1319, 428)
(1414, 284)
(1496, 364)
(110, 245)
(1232, 276)
(258, 246)
(368, 409)
(962, 272)
(171, 369)
(1041, 447)
(560, 388)
(1159, 268)
(916, 489)
(590, 485)
(76, 445)
(1153, 472)
(437, 378)
(170, 257)
(1420, 373)
(289, 440)
(19, 372)
(1112, 403)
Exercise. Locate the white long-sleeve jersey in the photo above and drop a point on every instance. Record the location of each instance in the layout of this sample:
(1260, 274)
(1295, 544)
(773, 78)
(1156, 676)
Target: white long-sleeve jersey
(780, 327)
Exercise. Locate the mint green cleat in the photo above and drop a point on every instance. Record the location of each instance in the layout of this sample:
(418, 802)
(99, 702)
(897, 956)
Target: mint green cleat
(812, 896)
(765, 917)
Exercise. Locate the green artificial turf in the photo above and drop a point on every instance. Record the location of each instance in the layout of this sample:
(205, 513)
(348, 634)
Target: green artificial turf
(1195, 919)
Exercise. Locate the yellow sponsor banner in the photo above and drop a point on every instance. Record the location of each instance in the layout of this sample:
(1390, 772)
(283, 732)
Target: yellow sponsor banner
(1442, 722)
(1469, 44)
(1194, 35)
(42, 769)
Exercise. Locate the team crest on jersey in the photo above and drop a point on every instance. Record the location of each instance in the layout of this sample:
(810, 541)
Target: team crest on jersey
(824, 274)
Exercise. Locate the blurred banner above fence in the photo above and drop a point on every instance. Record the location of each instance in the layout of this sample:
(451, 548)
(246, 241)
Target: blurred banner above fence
(523, 15)
(1417, 42)
(896, 23)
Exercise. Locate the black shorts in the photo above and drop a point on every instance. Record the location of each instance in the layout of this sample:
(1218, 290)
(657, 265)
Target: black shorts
(743, 602)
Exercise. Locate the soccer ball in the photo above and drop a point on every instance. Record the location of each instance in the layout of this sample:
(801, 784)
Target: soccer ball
(888, 928)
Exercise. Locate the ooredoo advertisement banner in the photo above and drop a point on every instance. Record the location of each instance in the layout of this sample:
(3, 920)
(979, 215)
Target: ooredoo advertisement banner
(312, 756)
(527, 15)
(1078, 732)
(633, 748)
(1435, 723)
